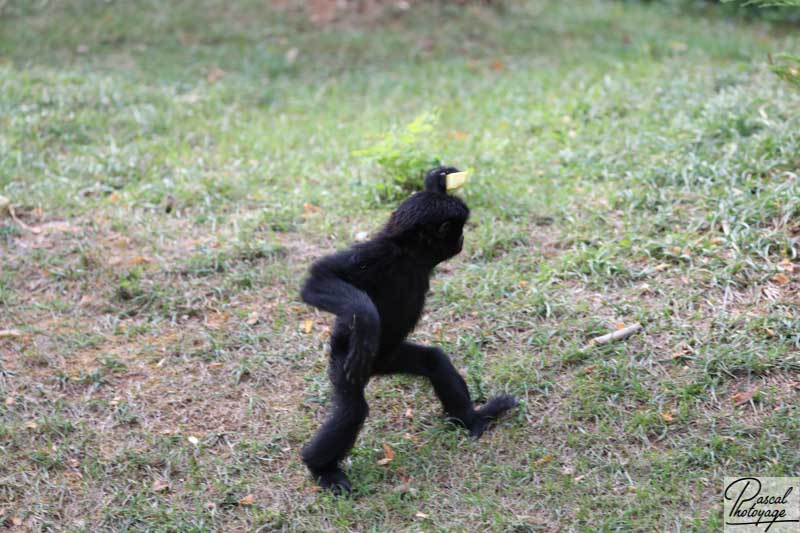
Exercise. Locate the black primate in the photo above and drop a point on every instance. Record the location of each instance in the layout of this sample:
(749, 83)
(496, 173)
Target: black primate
(377, 290)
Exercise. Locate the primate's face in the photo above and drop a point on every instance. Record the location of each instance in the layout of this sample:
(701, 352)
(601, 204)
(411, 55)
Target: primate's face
(458, 241)
(444, 179)
(452, 238)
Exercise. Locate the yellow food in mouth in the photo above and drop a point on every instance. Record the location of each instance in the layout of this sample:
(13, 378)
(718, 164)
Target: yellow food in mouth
(455, 180)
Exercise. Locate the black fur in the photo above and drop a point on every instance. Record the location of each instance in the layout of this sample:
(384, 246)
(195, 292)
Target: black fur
(377, 291)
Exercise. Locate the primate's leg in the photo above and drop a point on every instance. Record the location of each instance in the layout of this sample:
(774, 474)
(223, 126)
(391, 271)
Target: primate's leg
(448, 384)
(338, 433)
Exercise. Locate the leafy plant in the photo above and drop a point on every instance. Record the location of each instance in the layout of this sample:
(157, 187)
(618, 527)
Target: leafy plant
(773, 3)
(403, 156)
(786, 66)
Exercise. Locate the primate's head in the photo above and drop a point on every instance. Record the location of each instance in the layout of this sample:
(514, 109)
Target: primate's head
(443, 179)
(431, 222)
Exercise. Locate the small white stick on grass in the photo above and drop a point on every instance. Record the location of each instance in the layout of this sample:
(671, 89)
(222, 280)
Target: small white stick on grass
(618, 335)
(23, 225)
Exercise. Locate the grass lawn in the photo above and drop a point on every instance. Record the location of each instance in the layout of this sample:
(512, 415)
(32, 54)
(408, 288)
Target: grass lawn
(175, 166)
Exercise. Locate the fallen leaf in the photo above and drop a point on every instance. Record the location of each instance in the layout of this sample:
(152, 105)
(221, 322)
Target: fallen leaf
(620, 326)
(160, 485)
(217, 320)
(307, 325)
(10, 401)
(190, 98)
(666, 416)
(17, 521)
(383, 462)
(781, 278)
(678, 46)
(412, 438)
(578, 479)
(497, 65)
(291, 55)
(248, 500)
(785, 264)
(543, 460)
(8, 333)
(31, 425)
(388, 451)
(660, 267)
(743, 397)
(523, 283)
(141, 259)
(401, 489)
(215, 364)
(194, 440)
(252, 318)
(420, 515)
(215, 74)
(409, 413)
(309, 209)
(459, 135)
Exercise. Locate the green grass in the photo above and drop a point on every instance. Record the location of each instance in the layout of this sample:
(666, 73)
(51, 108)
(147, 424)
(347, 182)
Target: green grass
(184, 162)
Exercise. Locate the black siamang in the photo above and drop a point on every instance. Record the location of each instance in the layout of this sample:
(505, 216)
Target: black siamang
(377, 291)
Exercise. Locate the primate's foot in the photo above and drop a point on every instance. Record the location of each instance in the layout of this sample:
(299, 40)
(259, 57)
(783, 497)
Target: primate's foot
(335, 481)
(490, 411)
